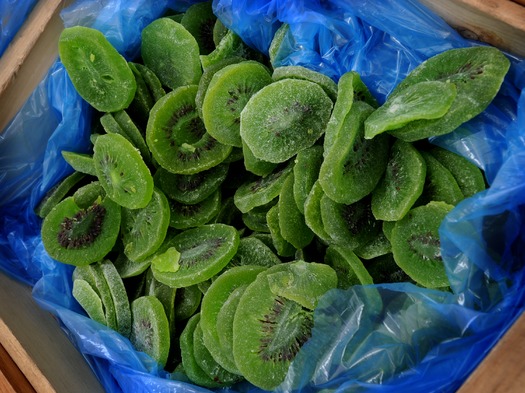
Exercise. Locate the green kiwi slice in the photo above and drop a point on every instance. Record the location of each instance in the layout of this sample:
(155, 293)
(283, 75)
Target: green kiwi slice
(165, 294)
(349, 268)
(477, 72)
(300, 72)
(306, 172)
(423, 100)
(291, 221)
(384, 269)
(379, 245)
(86, 195)
(284, 118)
(219, 31)
(226, 96)
(77, 236)
(416, 244)
(469, 177)
(212, 301)
(254, 164)
(57, 193)
(122, 172)
(440, 184)
(150, 331)
(190, 189)
(128, 268)
(208, 364)
(89, 299)
(312, 212)
(351, 225)
(303, 282)
(177, 137)
(282, 246)
(99, 73)
(187, 216)
(268, 331)
(199, 20)
(152, 81)
(80, 162)
(171, 52)
(144, 230)
(143, 101)
(354, 165)
(262, 190)
(255, 219)
(187, 302)
(253, 251)
(204, 252)
(402, 183)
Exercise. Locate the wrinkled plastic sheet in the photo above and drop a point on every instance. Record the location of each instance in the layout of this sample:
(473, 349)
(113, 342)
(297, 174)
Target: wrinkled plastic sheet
(387, 338)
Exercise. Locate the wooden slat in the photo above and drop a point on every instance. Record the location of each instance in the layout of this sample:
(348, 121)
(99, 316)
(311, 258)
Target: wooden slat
(40, 349)
(497, 22)
(29, 56)
(12, 380)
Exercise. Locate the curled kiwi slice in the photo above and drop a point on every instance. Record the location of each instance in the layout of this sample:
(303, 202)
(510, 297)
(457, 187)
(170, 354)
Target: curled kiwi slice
(171, 52)
(90, 300)
(57, 193)
(204, 252)
(255, 165)
(416, 244)
(99, 73)
(122, 172)
(284, 118)
(283, 247)
(177, 137)
(79, 236)
(312, 212)
(477, 72)
(440, 184)
(306, 172)
(227, 94)
(350, 269)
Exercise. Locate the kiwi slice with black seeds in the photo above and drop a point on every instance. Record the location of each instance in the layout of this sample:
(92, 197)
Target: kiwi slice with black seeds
(57, 193)
(177, 137)
(79, 236)
(199, 20)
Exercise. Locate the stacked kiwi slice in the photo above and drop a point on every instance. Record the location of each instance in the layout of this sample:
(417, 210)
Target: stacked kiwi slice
(224, 196)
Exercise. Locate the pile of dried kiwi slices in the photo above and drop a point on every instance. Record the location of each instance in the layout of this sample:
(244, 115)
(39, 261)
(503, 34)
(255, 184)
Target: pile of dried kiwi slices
(225, 196)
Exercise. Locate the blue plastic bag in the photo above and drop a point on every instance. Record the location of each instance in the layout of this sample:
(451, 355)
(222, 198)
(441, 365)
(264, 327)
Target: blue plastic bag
(13, 14)
(386, 338)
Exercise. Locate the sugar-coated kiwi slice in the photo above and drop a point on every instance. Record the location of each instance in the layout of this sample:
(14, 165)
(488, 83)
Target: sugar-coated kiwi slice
(207, 362)
(416, 244)
(423, 100)
(280, 45)
(212, 301)
(284, 118)
(128, 268)
(143, 230)
(185, 216)
(199, 20)
(312, 212)
(255, 165)
(255, 219)
(303, 282)
(79, 236)
(354, 165)
(190, 189)
(86, 195)
(171, 52)
(477, 72)
(219, 31)
(301, 72)
(253, 251)
(469, 177)
(349, 268)
(282, 246)
(165, 294)
(150, 331)
(291, 221)
(90, 300)
(306, 172)
(80, 162)
(204, 251)
(58, 192)
(384, 269)
(187, 302)
(226, 96)
(177, 137)
(440, 184)
(351, 225)
(143, 100)
(152, 81)
(402, 183)
(268, 331)
(379, 245)
(99, 73)
(122, 172)
(262, 190)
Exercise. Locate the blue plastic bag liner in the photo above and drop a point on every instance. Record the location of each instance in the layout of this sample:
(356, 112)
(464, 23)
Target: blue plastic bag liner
(385, 338)
(13, 14)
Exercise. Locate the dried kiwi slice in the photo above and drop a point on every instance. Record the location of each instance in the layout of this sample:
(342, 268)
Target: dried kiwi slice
(81, 236)
(254, 164)
(187, 302)
(312, 212)
(57, 193)
(253, 251)
(350, 269)
(150, 331)
(282, 246)
(268, 331)
(122, 172)
(143, 230)
(204, 252)
(187, 216)
(416, 244)
(199, 20)
(440, 184)
(86, 195)
(80, 162)
(171, 52)
(226, 96)
(303, 73)
(212, 301)
(177, 137)
(284, 118)
(99, 73)
(306, 172)
(89, 299)
(477, 72)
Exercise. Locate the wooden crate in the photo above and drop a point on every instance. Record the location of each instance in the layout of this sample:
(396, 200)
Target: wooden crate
(35, 353)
